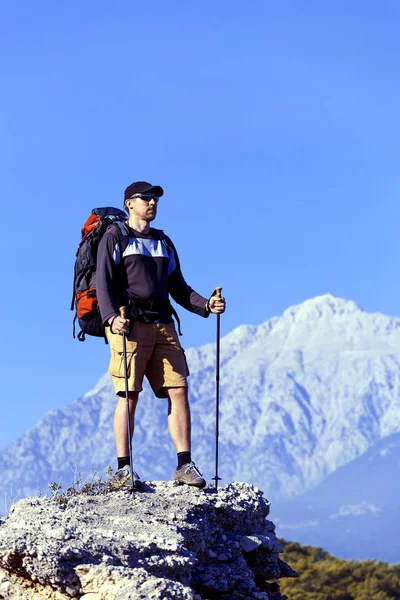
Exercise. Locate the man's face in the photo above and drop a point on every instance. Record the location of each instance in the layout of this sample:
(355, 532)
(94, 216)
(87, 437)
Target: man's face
(143, 206)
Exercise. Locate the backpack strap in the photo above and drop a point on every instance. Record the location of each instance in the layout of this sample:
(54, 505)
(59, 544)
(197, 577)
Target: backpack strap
(168, 248)
(74, 321)
(163, 239)
(178, 321)
(122, 231)
(122, 228)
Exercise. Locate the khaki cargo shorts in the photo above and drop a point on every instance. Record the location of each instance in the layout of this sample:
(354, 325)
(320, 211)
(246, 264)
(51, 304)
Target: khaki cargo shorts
(152, 350)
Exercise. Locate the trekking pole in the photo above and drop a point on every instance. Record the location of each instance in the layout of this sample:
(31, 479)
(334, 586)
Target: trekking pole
(216, 478)
(122, 312)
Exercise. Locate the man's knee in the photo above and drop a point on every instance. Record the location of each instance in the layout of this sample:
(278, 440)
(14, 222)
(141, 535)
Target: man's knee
(133, 399)
(179, 394)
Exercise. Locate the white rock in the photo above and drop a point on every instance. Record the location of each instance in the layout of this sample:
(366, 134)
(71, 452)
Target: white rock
(249, 543)
(143, 553)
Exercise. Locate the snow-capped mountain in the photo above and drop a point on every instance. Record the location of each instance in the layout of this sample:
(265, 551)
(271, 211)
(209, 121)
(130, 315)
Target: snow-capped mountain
(357, 508)
(302, 395)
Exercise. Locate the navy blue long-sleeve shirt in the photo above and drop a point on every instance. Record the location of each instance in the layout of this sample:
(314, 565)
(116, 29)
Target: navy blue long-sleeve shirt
(141, 267)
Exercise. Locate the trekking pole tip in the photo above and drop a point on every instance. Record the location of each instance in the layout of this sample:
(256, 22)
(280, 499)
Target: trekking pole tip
(218, 291)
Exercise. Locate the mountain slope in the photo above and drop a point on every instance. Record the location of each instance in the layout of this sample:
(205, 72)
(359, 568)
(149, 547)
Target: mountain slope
(355, 511)
(301, 395)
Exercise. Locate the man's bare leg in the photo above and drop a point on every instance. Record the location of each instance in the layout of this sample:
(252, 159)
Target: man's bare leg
(120, 422)
(180, 429)
(179, 418)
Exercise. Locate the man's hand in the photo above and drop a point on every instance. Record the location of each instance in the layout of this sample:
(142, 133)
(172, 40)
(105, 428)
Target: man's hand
(216, 305)
(119, 325)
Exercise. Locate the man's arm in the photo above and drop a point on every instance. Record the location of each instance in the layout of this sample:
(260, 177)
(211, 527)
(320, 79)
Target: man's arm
(108, 258)
(180, 291)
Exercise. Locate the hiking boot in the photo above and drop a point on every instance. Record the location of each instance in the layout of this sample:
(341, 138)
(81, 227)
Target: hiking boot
(190, 475)
(122, 479)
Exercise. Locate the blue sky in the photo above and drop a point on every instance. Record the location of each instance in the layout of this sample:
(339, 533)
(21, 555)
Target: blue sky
(273, 128)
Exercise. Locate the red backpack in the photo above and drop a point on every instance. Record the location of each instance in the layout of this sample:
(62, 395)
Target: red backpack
(84, 298)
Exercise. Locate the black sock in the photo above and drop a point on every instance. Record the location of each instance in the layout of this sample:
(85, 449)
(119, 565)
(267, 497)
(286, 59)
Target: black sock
(123, 461)
(184, 458)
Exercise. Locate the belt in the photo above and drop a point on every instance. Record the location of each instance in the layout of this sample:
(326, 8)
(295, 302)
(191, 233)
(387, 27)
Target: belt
(155, 305)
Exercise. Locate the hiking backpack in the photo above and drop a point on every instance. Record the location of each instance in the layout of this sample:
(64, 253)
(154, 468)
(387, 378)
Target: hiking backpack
(84, 296)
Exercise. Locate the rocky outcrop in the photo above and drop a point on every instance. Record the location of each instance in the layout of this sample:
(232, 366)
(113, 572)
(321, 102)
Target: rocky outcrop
(166, 541)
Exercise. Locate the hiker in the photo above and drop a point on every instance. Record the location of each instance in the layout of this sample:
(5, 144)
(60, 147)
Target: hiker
(139, 271)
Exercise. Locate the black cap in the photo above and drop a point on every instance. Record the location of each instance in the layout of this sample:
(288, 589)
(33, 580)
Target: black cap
(142, 187)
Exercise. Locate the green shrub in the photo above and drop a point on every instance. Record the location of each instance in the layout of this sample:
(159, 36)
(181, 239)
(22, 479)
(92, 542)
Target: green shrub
(324, 577)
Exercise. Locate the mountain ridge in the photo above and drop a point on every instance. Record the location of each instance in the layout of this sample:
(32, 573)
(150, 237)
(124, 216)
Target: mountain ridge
(302, 394)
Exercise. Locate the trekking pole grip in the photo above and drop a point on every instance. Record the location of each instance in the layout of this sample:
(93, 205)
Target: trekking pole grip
(218, 291)
(122, 312)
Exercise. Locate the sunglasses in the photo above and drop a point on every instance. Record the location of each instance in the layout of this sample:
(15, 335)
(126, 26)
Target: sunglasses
(146, 197)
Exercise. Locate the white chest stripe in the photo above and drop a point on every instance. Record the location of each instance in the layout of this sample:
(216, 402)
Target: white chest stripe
(145, 247)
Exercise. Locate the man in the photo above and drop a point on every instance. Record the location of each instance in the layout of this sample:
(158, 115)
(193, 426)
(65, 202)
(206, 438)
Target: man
(141, 270)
